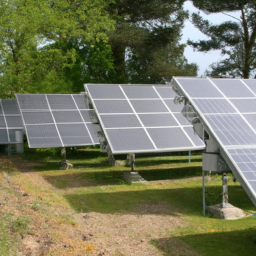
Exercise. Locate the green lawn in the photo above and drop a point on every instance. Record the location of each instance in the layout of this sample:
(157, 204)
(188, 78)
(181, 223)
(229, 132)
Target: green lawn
(94, 186)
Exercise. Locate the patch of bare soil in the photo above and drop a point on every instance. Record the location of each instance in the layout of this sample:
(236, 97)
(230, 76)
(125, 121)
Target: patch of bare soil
(51, 232)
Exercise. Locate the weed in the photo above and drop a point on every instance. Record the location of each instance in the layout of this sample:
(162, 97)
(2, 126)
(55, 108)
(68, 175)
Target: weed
(36, 205)
(21, 224)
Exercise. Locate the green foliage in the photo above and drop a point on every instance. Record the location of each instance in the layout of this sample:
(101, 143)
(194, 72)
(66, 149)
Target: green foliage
(28, 28)
(236, 39)
(145, 43)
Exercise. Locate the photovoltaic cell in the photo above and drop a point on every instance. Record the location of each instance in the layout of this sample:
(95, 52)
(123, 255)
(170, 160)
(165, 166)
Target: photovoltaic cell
(14, 121)
(2, 121)
(193, 136)
(173, 106)
(105, 92)
(129, 140)
(175, 135)
(44, 142)
(181, 119)
(245, 105)
(251, 83)
(128, 118)
(38, 117)
(3, 136)
(199, 88)
(251, 118)
(214, 106)
(232, 129)
(80, 101)
(120, 121)
(32, 101)
(88, 116)
(140, 92)
(148, 106)
(67, 117)
(232, 88)
(61, 102)
(113, 106)
(166, 92)
(93, 132)
(74, 134)
(154, 120)
(10, 107)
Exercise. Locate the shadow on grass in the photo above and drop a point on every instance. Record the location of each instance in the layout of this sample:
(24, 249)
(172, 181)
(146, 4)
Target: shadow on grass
(84, 179)
(110, 177)
(140, 200)
(238, 242)
(55, 166)
(164, 161)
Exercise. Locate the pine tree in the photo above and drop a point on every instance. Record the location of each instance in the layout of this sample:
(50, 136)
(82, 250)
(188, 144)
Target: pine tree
(236, 38)
(145, 42)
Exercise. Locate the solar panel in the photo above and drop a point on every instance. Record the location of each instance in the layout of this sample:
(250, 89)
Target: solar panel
(231, 120)
(57, 120)
(10, 122)
(138, 119)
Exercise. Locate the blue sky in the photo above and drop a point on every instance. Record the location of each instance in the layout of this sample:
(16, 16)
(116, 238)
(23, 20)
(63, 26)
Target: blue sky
(190, 32)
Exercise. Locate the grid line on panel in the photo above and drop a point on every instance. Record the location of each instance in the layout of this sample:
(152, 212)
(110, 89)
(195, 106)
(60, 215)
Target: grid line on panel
(215, 106)
(5, 122)
(199, 90)
(10, 107)
(176, 119)
(233, 106)
(245, 160)
(82, 118)
(54, 120)
(231, 87)
(138, 118)
(248, 87)
(80, 101)
(234, 125)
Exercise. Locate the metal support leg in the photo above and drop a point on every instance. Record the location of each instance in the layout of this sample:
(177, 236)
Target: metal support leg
(63, 153)
(203, 193)
(225, 190)
(189, 157)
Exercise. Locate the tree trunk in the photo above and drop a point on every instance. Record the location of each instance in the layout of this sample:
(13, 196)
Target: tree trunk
(119, 61)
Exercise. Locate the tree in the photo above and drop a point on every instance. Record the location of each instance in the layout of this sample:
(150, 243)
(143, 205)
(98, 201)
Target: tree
(145, 42)
(236, 39)
(29, 27)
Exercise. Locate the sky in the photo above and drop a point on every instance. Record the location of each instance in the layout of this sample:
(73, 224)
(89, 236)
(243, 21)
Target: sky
(203, 60)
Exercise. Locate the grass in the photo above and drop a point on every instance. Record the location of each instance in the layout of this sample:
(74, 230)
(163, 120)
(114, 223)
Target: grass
(94, 186)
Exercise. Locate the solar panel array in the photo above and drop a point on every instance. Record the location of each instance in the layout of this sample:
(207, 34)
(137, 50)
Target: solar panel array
(11, 125)
(228, 108)
(57, 120)
(142, 118)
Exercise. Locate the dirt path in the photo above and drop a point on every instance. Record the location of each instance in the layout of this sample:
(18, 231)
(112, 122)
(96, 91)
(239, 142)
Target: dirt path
(56, 229)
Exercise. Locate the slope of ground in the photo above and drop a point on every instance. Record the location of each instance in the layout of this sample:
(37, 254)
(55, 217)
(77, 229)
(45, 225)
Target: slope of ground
(89, 210)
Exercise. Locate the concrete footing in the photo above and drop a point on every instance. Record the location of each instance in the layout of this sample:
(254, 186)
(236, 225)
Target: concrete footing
(230, 212)
(132, 177)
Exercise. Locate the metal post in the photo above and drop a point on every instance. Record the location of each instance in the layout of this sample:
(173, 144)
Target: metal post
(132, 163)
(189, 157)
(225, 190)
(203, 193)
(63, 153)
